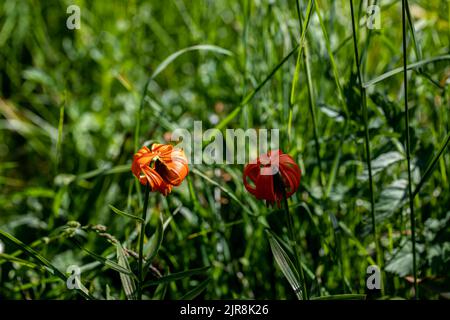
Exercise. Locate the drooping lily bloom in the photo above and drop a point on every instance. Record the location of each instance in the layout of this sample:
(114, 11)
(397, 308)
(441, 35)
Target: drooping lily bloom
(162, 167)
(172, 165)
(265, 174)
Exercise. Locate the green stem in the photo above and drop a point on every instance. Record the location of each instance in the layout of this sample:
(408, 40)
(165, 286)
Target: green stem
(292, 237)
(141, 242)
(408, 150)
(366, 137)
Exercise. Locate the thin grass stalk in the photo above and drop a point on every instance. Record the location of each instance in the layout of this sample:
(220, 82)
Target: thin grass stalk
(311, 99)
(247, 110)
(366, 46)
(141, 242)
(366, 135)
(408, 148)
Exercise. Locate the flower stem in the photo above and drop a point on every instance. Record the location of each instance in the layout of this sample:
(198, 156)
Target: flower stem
(141, 242)
(292, 237)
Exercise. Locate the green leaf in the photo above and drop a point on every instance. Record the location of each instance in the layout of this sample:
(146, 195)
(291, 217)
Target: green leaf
(128, 284)
(390, 199)
(401, 262)
(382, 162)
(176, 276)
(125, 214)
(196, 291)
(286, 265)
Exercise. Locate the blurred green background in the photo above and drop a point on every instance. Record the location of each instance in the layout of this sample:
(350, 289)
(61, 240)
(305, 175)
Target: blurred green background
(69, 107)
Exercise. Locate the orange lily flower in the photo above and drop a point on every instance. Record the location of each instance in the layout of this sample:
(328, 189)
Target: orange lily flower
(162, 167)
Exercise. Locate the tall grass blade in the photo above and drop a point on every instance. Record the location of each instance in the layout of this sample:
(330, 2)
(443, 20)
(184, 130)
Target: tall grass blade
(366, 135)
(411, 66)
(408, 149)
(125, 214)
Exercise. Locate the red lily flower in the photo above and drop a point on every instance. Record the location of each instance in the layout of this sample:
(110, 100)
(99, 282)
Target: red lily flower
(264, 176)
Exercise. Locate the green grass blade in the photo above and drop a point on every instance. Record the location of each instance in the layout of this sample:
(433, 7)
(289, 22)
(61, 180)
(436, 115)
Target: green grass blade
(302, 41)
(225, 190)
(201, 47)
(13, 259)
(366, 136)
(411, 66)
(60, 134)
(417, 47)
(106, 262)
(341, 95)
(176, 276)
(125, 214)
(408, 149)
(196, 291)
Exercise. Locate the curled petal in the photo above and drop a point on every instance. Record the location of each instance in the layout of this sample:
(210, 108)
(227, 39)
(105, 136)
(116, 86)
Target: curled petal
(162, 167)
(251, 171)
